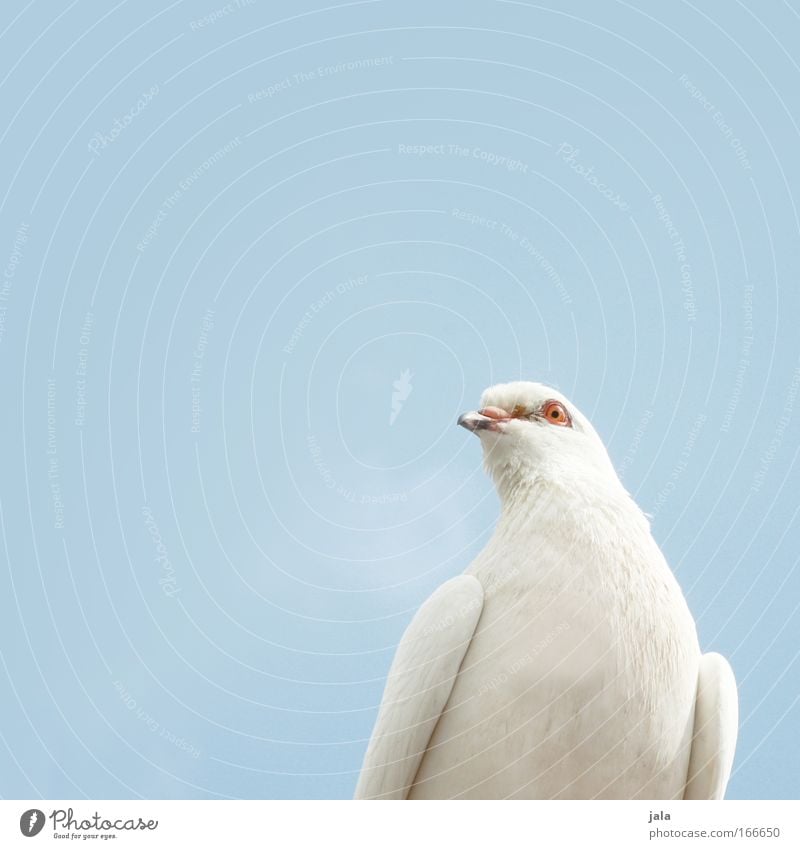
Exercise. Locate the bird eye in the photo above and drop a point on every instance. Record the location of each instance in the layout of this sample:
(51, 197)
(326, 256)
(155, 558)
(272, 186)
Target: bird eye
(556, 413)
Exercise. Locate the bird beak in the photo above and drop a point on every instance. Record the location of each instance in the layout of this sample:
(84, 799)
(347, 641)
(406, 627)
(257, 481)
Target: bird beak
(489, 418)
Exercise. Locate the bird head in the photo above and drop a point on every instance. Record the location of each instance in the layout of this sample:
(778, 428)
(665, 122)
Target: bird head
(529, 431)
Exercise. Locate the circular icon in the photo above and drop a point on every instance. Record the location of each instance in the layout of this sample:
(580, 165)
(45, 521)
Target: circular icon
(31, 822)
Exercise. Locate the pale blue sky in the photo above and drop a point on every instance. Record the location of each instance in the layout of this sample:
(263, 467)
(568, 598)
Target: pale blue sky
(227, 233)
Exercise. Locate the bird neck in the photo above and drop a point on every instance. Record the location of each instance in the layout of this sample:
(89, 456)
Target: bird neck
(561, 496)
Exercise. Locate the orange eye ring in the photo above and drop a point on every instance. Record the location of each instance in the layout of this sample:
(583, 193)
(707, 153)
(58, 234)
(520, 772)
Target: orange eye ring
(556, 413)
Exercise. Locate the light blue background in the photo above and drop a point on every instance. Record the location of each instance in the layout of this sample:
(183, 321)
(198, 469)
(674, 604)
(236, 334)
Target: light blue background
(301, 528)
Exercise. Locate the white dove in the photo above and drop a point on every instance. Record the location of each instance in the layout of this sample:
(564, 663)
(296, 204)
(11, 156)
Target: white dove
(564, 664)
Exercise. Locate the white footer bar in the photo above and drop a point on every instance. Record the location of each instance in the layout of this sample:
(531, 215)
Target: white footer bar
(397, 825)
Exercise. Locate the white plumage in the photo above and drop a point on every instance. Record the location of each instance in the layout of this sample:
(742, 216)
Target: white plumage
(565, 662)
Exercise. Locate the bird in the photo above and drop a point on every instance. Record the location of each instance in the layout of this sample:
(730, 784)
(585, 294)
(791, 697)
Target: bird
(564, 663)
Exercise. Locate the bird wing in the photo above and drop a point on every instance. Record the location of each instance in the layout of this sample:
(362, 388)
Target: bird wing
(716, 721)
(419, 684)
